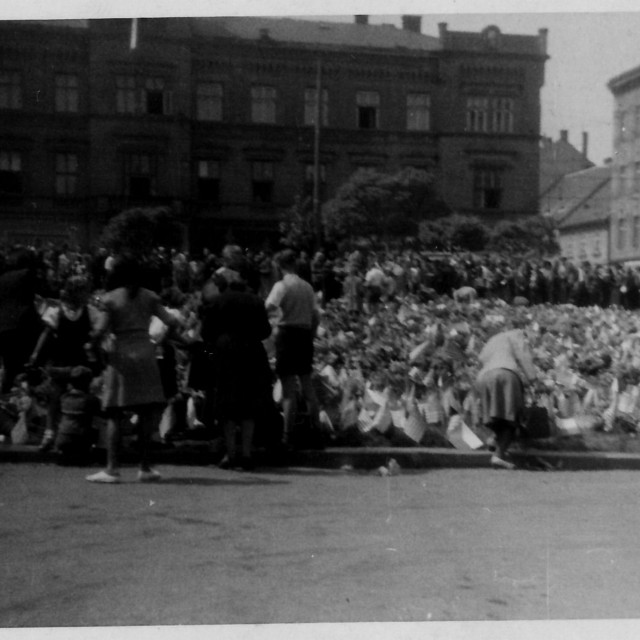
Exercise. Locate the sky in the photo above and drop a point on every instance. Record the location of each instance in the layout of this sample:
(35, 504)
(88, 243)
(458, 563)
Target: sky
(589, 42)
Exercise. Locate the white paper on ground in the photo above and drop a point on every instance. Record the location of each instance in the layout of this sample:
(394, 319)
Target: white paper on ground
(460, 435)
(415, 423)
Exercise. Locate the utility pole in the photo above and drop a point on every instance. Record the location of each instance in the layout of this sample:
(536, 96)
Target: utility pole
(317, 222)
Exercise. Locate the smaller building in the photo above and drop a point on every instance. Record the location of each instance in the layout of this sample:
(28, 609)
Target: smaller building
(559, 158)
(580, 205)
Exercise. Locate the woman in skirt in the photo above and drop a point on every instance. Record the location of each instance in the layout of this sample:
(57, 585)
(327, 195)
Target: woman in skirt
(132, 382)
(507, 366)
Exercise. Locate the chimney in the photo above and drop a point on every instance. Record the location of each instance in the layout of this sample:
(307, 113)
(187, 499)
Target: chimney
(564, 135)
(442, 33)
(362, 19)
(543, 39)
(585, 143)
(412, 23)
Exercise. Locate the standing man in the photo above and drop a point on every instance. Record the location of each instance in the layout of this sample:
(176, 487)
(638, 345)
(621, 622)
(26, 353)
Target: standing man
(299, 318)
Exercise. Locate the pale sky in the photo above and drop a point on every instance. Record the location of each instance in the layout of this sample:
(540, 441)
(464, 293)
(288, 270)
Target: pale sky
(590, 41)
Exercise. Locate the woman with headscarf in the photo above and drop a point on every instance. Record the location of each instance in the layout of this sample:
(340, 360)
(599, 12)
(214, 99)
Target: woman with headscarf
(132, 382)
(234, 325)
(507, 366)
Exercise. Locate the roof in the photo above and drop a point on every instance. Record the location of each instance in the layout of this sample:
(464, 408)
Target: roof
(315, 33)
(582, 198)
(480, 43)
(625, 81)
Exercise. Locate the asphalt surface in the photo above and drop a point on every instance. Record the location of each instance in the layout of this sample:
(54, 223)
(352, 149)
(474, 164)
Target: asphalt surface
(207, 546)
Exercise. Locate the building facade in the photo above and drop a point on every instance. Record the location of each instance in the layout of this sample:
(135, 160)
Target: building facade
(216, 118)
(559, 158)
(625, 178)
(580, 207)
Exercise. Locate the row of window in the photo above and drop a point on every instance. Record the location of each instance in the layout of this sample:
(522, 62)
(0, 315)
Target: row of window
(141, 178)
(150, 95)
(627, 179)
(582, 249)
(623, 235)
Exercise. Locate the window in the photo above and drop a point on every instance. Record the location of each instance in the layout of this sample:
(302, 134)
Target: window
(418, 112)
(10, 90)
(635, 233)
(487, 188)
(263, 105)
(140, 175)
(209, 180)
(11, 178)
(478, 114)
(368, 103)
(597, 249)
(66, 174)
(142, 95)
(582, 249)
(627, 124)
(154, 97)
(67, 93)
(125, 94)
(623, 180)
(311, 105)
(618, 125)
(502, 115)
(262, 179)
(622, 232)
(493, 115)
(209, 101)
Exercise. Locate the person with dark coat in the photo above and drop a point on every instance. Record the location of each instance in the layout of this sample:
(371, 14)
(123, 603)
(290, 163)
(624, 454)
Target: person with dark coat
(234, 325)
(20, 324)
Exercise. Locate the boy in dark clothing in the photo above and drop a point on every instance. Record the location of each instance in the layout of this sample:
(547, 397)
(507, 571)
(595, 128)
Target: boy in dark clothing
(77, 407)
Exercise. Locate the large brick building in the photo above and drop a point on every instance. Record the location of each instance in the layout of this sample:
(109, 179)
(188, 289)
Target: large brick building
(216, 118)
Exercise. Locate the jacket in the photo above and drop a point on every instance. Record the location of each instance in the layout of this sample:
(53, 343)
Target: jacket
(508, 350)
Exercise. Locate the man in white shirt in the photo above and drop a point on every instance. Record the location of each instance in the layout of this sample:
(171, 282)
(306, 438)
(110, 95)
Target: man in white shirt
(299, 318)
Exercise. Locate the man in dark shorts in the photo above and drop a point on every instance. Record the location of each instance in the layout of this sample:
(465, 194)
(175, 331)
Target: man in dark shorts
(299, 317)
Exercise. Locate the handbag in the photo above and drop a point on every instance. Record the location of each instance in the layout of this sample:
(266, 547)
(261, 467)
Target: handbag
(537, 422)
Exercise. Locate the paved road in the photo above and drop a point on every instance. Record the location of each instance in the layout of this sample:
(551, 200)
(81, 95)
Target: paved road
(208, 546)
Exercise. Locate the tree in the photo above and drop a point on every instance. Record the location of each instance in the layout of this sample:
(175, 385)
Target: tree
(533, 235)
(381, 204)
(454, 232)
(298, 229)
(136, 232)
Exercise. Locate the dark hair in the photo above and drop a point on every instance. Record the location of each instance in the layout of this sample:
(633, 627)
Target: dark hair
(128, 273)
(287, 260)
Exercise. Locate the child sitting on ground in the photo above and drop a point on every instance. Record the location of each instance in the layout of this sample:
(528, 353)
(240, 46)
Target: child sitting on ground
(78, 407)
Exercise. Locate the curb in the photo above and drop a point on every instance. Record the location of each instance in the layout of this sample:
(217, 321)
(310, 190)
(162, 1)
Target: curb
(369, 458)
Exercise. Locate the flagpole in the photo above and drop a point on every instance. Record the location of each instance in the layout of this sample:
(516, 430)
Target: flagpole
(133, 43)
(316, 157)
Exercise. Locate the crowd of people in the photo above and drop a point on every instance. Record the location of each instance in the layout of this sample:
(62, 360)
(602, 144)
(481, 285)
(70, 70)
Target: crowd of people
(364, 344)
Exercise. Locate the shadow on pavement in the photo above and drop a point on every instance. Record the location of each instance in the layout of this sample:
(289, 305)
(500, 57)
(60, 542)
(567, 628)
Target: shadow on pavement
(203, 482)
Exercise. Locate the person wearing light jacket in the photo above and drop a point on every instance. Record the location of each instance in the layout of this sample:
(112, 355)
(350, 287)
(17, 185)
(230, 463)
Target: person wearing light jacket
(507, 367)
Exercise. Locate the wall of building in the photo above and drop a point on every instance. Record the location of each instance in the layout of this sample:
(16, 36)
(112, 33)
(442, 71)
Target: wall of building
(104, 140)
(625, 178)
(590, 245)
